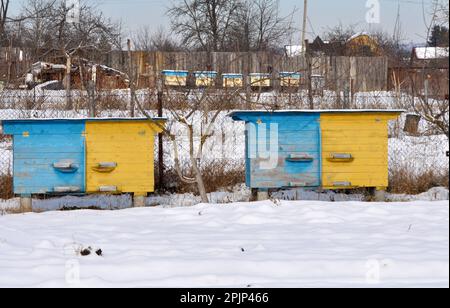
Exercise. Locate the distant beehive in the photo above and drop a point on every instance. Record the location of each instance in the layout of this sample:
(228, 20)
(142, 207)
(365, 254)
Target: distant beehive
(260, 80)
(290, 79)
(175, 78)
(233, 80)
(327, 149)
(205, 79)
(83, 156)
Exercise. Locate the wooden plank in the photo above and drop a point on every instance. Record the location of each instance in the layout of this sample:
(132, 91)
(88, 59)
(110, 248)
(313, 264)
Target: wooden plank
(365, 137)
(34, 156)
(134, 155)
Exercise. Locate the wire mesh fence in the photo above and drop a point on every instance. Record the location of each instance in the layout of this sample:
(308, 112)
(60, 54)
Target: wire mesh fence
(424, 152)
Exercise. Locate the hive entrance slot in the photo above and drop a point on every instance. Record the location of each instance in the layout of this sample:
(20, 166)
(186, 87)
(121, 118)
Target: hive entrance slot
(108, 189)
(66, 189)
(300, 184)
(342, 184)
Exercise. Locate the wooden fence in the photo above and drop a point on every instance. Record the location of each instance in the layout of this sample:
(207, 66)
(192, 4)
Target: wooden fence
(357, 73)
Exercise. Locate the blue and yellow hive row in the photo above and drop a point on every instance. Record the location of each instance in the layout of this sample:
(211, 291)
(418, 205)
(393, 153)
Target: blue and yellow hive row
(176, 78)
(83, 156)
(327, 149)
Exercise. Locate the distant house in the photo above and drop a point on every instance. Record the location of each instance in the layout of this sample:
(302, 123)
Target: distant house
(320, 47)
(428, 67)
(363, 45)
(430, 57)
(103, 76)
(359, 45)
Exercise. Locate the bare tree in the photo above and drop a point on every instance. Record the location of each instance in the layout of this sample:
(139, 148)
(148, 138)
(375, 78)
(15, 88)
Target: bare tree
(146, 40)
(429, 103)
(4, 8)
(231, 25)
(340, 33)
(47, 29)
(204, 24)
(270, 28)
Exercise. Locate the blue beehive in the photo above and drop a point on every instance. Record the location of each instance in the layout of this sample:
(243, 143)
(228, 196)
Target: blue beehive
(290, 158)
(330, 149)
(49, 157)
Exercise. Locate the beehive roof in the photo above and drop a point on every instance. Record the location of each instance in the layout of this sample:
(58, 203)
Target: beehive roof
(236, 114)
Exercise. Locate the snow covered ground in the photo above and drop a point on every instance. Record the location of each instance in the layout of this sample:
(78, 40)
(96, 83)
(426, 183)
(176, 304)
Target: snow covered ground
(266, 244)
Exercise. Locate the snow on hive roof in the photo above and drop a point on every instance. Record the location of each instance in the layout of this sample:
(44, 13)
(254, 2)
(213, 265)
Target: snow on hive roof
(242, 112)
(83, 119)
(428, 53)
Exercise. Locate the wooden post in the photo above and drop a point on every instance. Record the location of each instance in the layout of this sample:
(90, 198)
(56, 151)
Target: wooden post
(379, 195)
(160, 137)
(131, 76)
(26, 204)
(262, 195)
(309, 68)
(139, 200)
(247, 81)
(69, 105)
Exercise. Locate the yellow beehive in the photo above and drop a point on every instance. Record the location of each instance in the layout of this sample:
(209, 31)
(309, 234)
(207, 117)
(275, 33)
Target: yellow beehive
(205, 79)
(355, 149)
(175, 78)
(290, 79)
(233, 81)
(120, 156)
(260, 80)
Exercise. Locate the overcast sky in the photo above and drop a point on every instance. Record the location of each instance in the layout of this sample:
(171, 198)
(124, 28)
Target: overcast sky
(322, 14)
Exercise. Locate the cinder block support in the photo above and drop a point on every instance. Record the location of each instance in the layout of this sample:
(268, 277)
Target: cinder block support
(379, 195)
(26, 204)
(262, 195)
(139, 200)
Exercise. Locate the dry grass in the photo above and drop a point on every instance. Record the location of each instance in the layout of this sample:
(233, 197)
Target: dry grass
(406, 181)
(6, 187)
(217, 175)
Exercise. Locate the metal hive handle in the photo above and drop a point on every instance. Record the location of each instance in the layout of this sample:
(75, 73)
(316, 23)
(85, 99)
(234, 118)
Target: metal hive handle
(65, 166)
(341, 157)
(300, 158)
(105, 167)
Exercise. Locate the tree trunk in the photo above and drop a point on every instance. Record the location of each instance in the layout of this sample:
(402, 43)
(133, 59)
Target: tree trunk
(69, 105)
(91, 98)
(131, 75)
(200, 182)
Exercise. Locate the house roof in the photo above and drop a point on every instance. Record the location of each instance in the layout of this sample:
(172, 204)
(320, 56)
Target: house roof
(358, 35)
(431, 53)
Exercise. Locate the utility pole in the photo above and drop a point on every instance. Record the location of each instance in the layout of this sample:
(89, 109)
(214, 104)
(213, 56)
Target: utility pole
(305, 18)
